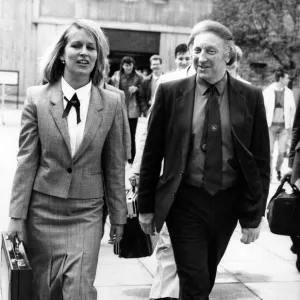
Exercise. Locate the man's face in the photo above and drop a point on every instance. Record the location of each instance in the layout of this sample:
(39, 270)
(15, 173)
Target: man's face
(209, 57)
(128, 68)
(182, 60)
(156, 66)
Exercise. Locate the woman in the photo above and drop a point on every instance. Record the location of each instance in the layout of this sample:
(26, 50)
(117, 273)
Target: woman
(71, 151)
(129, 81)
(294, 174)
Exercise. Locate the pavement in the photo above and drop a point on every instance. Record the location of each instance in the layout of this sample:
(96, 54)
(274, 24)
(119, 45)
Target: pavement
(263, 270)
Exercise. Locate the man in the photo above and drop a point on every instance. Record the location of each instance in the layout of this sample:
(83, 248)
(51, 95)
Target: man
(183, 65)
(280, 109)
(182, 57)
(165, 282)
(232, 69)
(149, 84)
(216, 172)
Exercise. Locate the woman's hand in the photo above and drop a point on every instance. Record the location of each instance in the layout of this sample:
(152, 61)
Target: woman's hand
(134, 180)
(15, 227)
(132, 89)
(116, 233)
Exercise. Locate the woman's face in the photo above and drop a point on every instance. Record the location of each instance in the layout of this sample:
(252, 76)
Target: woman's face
(128, 68)
(80, 55)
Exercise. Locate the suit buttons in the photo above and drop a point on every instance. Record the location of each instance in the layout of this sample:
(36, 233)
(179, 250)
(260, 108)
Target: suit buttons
(69, 170)
(181, 174)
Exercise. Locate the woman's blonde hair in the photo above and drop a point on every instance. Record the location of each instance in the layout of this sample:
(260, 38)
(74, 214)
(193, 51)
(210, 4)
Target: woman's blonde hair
(54, 68)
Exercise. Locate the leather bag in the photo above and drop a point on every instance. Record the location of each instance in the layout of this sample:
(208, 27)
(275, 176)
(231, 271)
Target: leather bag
(16, 273)
(284, 211)
(134, 243)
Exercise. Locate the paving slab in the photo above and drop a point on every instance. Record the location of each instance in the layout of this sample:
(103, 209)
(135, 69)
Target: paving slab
(276, 290)
(122, 275)
(234, 291)
(263, 272)
(124, 293)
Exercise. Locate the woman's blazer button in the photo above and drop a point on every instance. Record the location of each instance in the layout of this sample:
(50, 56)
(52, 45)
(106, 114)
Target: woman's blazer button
(69, 170)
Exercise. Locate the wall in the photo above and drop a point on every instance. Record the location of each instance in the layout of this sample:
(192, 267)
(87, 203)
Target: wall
(18, 40)
(28, 27)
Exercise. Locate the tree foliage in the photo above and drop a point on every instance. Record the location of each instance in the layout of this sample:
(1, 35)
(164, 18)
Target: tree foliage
(273, 25)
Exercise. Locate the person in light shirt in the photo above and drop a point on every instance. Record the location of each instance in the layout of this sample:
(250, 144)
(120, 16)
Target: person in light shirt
(70, 150)
(165, 282)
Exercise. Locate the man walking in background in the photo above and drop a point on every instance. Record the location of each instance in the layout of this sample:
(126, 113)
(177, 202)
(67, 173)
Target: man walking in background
(280, 109)
(215, 172)
(232, 69)
(183, 65)
(149, 84)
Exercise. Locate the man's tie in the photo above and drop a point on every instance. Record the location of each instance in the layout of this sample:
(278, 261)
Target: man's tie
(211, 144)
(73, 102)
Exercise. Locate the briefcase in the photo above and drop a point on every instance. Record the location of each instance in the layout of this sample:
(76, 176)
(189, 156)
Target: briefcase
(134, 243)
(16, 273)
(284, 211)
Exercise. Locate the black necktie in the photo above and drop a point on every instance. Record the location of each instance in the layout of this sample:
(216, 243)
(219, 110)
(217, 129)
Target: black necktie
(212, 144)
(73, 102)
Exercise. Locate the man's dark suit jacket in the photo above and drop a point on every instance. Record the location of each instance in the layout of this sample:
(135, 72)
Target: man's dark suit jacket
(294, 155)
(169, 137)
(145, 90)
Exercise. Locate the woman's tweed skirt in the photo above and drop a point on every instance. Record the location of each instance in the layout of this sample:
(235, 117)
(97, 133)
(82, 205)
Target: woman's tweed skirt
(63, 243)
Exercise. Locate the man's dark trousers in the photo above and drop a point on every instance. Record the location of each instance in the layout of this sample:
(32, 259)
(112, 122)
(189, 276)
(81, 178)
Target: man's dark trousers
(200, 227)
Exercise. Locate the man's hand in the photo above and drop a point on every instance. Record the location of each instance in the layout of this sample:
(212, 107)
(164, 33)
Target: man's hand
(250, 235)
(287, 175)
(116, 233)
(15, 227)
(145, 113)
(147, 223)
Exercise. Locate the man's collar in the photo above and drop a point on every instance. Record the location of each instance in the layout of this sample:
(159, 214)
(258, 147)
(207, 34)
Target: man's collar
(220, 85)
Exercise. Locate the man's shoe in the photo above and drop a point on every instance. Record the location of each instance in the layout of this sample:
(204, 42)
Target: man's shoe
(279, 175)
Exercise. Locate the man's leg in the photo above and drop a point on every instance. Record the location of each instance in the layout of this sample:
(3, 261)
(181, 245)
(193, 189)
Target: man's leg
(283, 136)
(272, 136)
(296, 249)
(200, 228)
(165, 282)
(224, 222)
(188, 224)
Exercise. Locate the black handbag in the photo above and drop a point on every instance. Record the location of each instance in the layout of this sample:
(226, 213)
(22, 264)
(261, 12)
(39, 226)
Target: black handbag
(134, 243)
(16, 273)
(284, 211)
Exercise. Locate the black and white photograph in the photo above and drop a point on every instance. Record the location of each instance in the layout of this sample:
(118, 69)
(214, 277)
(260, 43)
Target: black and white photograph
(150, 149)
